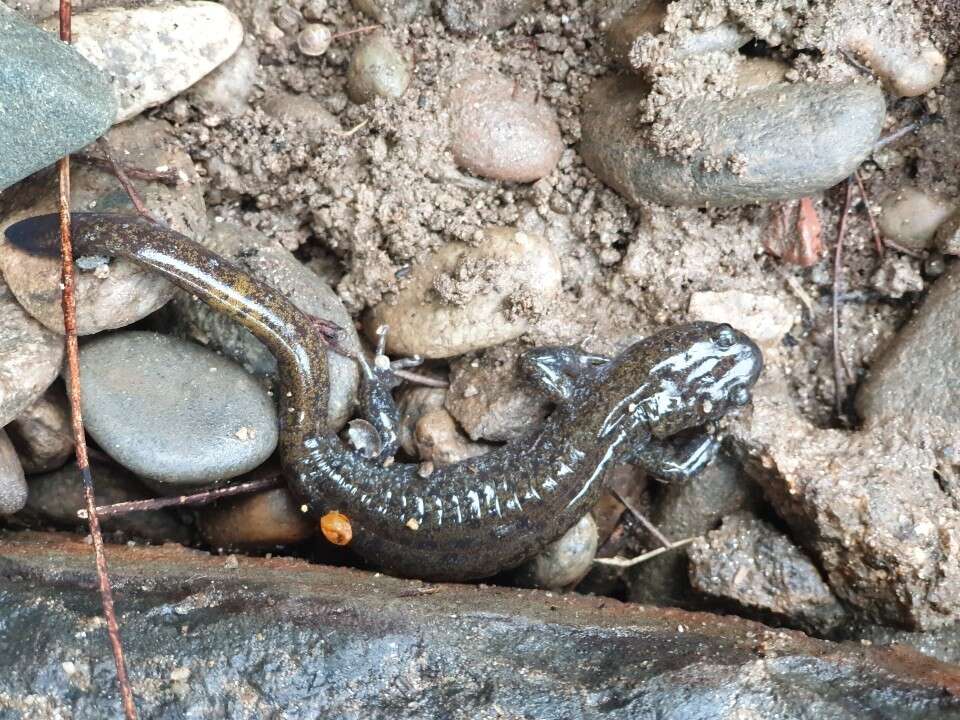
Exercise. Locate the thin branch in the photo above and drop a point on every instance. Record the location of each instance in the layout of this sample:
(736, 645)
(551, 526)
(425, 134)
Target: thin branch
(651, 528)
(200, 498)
(877, 237)
(126, 184)
(839, 386)
(69, 302)
(345, 33)
(623, 562)
(167, 177)
(418, 379)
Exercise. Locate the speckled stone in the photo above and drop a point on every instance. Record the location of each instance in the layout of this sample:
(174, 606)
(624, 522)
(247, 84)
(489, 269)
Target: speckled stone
(422, 322)
(30, 357)
(565, 560)
(120, 292)
(775, 143)
(154, 52)
(173, 412)
(481, 17)
(13, 487)
(52, 101)
(278, 268)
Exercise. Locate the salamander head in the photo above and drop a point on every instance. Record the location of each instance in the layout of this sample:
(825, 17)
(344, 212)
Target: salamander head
(682, 377)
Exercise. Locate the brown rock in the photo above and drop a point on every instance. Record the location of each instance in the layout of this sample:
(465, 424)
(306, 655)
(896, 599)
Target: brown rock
(502, 131)
(481, 17)
(440, 441)
(262, 520)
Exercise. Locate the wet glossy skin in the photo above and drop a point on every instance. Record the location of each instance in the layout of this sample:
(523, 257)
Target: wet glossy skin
(482, 515)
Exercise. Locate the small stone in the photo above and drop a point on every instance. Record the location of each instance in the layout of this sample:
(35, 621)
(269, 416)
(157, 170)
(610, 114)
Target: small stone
(440, 442)
(482, 17)
(377, 69)
(916, 375)
(765, 319)
(910, 217)
(564, 561)
(55, 498)
(180, 674)
(302, 110)
(464, 297)
(42, 433)
(52, 101)
(314, 9)
(154, 52)
(263, 520)
(413, 402)
(153, 405)
(13, 486)
(502, 131)
(908, 68)
(127, 292)
(750, 563)
(278, 268)
(491, 400)
(684, 510)
(30, 357)
(392, 12)
(780, 142)
(227, 89)
(314, 39)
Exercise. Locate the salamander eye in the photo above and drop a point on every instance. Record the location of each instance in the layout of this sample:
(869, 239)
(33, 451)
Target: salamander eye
(740, 396)
(726, 337)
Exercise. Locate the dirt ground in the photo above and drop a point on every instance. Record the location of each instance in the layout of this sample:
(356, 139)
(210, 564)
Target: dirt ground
(363, 207)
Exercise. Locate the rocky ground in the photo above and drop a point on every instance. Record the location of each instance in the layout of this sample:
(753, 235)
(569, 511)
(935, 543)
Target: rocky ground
(488, 177)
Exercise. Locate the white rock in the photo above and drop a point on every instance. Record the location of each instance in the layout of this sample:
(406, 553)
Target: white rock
(13, 486)
(911, 217)
(155, 52)
(764, 318)
(464, 297)
(228, 87)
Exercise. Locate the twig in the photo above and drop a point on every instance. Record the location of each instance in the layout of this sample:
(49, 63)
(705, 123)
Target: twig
(345, 33)
(905, 250)
(905, 130)
(651, 528)
(352, 131)
(419, 379)
(839, 388)
(623, 562)
(200, 498)
(125, 183)
(877, 237)
(69, 302)
(167, 177)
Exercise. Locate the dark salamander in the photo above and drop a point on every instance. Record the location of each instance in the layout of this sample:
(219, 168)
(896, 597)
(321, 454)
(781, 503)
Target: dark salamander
(479, 516)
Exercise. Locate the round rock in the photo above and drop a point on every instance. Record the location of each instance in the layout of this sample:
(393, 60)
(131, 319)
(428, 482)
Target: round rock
(392, 12)
(911, 217)
(228, 88)
(52, 101)
(279, 269)
(303, 110)
(765, 319)
(377, 69)
(154, 52)
(481, 17)
(116, 293)
(463, 297)
(42, 433)
(501, 131)
(13, 486)
(263, 520)
(566, 560)
(776, 143)
(173, 412)
(30, 357)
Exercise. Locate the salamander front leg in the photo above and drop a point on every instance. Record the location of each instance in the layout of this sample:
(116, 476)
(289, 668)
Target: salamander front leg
(556, 370)
(677, 458)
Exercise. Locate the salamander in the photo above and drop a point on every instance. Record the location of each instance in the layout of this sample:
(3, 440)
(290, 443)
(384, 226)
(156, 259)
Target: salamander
(472, 519)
